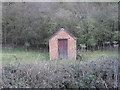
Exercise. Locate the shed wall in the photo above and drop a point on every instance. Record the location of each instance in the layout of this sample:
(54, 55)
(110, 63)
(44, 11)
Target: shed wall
(53, 45)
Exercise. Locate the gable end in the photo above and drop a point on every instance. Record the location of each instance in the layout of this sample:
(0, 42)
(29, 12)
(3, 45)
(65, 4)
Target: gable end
(62, 29)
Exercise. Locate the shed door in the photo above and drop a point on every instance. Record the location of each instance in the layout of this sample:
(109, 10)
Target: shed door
(62, 48)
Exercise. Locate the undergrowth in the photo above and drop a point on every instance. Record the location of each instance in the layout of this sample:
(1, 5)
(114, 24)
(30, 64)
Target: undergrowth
(53, 74)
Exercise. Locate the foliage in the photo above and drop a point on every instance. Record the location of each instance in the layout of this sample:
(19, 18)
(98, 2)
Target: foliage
(92, 23)
(56, 74)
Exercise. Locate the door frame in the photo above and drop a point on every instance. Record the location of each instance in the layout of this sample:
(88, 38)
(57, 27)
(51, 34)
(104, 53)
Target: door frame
(58, 48)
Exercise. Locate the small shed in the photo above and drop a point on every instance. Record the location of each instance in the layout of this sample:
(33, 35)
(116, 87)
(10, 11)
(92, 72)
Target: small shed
(62, 45)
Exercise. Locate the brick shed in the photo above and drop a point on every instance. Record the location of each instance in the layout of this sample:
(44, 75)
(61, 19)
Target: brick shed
(62, 45)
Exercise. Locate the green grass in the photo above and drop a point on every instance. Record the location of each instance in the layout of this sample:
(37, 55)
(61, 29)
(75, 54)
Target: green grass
(22, 55)
(18, 55)
(98, 55)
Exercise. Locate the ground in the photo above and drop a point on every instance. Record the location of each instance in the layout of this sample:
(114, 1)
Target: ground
(11, 55)
(30, 69)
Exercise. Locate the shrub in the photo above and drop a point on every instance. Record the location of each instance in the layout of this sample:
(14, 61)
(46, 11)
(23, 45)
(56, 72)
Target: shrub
(90, 74)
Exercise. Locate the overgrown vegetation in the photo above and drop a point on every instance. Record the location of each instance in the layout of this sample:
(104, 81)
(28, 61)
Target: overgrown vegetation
(57, 74)
(27, 26)
(96, 69)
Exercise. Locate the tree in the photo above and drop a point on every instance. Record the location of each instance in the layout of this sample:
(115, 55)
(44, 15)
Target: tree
(92, 23)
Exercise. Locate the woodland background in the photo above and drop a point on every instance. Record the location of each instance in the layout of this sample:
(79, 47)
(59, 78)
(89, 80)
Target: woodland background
(27, 24)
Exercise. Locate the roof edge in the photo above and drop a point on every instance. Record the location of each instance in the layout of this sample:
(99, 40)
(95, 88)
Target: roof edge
(62, 29)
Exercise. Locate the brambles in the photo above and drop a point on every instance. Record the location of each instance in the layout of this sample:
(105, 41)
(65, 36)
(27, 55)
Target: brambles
(90, 74)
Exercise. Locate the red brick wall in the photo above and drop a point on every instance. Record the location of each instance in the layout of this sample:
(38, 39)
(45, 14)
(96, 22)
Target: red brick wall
(53, 45)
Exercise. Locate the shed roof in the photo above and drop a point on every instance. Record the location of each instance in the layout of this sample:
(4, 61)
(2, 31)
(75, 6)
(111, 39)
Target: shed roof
(62, 29)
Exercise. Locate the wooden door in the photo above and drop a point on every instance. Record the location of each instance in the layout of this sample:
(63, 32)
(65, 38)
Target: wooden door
(63, 48)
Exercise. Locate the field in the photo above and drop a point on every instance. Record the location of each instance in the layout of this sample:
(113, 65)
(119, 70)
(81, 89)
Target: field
(33, 69)
(13, 55)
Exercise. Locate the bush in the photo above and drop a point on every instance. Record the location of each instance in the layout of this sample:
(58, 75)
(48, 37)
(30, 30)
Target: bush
(90, 74)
